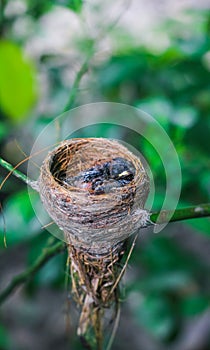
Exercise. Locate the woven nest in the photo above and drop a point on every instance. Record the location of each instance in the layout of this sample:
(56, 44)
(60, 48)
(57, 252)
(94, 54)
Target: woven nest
(93, 221)
(95, 190)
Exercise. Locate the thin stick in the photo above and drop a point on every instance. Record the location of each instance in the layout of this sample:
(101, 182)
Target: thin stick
(98, 328)
(82, 71)
(66, 285)
(124, 266)
(25, 155)
(116, 324)
(23, 277)
(198, 211)
(13, 170)
(47, 225)
(4, 226)
(17, 173)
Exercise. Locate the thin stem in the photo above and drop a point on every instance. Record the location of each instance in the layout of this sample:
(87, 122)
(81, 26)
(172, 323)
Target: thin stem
(124, 267)
(198, 211)
(23, 277)
(82, 71)
(17, 173)
(116, 324)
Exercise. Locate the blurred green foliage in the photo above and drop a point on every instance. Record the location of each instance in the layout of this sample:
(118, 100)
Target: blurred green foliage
(17, 85)
(170, 288)
(173, 85)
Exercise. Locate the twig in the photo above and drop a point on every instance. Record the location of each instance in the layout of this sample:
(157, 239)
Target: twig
(197, 211)
(47, 253)
(83, 69)
(116, 324)
(17, 173)
(124, 266)
(4, 226)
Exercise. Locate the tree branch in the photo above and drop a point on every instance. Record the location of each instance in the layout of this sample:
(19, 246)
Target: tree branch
(47, 253)
(198, 211)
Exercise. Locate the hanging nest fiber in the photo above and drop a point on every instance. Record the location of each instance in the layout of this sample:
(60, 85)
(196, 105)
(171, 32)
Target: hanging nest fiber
(95, 190)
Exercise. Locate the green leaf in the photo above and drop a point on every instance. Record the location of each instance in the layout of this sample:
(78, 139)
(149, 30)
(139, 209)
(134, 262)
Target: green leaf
(4, 130)
(51, 273)
(162, 282)
(20, 221)
(161, 255)
(200, 224)
(185, 117)
(194, 304)
(17, 83)
(155, 314)
(75, 5)
(159, 107)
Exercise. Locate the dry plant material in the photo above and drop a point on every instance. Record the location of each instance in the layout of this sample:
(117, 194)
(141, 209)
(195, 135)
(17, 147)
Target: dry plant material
(95, 190)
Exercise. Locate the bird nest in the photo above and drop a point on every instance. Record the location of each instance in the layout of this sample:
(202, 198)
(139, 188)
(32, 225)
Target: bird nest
(95, 190)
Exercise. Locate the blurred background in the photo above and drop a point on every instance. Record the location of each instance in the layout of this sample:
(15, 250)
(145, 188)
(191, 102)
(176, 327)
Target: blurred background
(151, 55)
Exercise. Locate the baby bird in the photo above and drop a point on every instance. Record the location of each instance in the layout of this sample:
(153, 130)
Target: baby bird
(102, 178)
